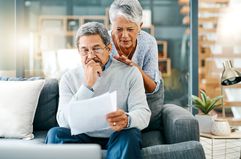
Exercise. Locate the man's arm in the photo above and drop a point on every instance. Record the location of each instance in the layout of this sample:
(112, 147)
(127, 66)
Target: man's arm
(138, 113)
(67, 95)
(138, 109)
(91, 71)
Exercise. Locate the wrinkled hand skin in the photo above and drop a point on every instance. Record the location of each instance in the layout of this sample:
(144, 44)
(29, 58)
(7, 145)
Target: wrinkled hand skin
(119, 118)
(92, 71)
(124, 59)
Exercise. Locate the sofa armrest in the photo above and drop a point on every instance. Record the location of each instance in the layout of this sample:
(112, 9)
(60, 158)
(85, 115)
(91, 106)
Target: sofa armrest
(179, 124)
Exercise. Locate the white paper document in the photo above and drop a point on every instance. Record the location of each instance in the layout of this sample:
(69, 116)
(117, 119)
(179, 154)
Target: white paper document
(90, 115)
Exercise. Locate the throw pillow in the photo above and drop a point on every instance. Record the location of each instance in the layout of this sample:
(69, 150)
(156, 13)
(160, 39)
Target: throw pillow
(18, 102)
(45, 116)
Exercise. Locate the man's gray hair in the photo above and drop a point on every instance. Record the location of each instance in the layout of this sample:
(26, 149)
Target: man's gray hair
(93, 28)
(130, 9)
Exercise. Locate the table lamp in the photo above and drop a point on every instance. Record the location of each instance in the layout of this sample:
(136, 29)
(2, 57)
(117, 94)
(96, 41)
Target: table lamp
(230, 76)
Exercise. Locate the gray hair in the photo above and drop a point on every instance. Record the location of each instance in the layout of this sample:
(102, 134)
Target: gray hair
(93, 28)
(130, 9)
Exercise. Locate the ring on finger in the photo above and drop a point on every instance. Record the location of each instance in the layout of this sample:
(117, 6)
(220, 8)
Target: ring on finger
(114, 124)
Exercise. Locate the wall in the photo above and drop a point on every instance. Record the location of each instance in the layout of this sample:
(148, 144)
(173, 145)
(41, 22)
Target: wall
(7, 43)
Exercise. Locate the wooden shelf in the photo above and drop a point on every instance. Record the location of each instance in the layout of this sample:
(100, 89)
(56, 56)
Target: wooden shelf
(210, 10)
(162, 48)
(207, 42)
(213, 20)
(215, 1)
(204, 30)
(232, 104)
(233, 122)
(164, 66)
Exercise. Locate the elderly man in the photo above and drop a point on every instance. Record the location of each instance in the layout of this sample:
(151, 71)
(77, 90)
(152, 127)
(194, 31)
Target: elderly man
(100, 74)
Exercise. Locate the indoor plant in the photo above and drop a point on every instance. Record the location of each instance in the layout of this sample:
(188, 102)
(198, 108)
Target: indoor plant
(205, 104)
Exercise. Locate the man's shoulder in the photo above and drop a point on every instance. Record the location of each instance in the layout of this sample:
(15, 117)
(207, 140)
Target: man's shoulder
(72, 73)
(122, 68)
(120, 65)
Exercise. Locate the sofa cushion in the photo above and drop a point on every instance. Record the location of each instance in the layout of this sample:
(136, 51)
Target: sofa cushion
(18, 104)
(39, 138)
(45, 116)
(152, 138)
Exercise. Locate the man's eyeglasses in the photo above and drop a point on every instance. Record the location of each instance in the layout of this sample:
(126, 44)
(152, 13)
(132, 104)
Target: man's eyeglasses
(95, 50)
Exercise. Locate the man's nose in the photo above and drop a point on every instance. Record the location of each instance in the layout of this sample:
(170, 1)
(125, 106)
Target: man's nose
(91, 54)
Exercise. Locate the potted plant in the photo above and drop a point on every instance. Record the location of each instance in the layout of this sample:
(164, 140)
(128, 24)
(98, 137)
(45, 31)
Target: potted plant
(205, 104)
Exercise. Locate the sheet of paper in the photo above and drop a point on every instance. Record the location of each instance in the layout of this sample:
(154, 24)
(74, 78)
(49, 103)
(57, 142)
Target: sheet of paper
(90, 115)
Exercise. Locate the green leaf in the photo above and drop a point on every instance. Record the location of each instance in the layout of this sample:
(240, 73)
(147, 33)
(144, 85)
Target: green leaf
(213, 103)
(198, 103)
(201, 108)
(205, 103)
(197, 100)
(203, 96)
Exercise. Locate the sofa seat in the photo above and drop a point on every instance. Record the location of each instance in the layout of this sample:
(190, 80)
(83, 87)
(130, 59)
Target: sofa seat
(39, 137)
(153, 146)
(149, 139)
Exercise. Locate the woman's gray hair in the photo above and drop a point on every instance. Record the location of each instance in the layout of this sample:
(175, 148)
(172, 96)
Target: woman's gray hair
(93, 28)
(130, 9)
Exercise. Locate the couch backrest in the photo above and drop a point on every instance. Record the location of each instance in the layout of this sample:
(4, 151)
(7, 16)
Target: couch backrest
(45, 116)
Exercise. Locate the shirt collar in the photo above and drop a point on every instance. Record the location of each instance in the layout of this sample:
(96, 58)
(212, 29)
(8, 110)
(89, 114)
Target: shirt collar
(108, 63)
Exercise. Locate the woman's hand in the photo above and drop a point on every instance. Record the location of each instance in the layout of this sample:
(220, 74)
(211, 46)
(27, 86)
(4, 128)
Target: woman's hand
(124, 59)
(149, 84)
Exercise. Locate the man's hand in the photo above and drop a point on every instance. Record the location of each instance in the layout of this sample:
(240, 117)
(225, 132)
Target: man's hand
(92, 71)
(117, 120)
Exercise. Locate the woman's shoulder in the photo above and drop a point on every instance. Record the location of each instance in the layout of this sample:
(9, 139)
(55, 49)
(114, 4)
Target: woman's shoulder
(145, 39)
(146, 35)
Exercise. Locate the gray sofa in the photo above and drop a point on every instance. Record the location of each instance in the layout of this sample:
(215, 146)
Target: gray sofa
(178, 137)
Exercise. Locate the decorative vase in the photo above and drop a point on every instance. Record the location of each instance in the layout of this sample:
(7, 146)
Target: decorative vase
(205, 122)
(221, 127)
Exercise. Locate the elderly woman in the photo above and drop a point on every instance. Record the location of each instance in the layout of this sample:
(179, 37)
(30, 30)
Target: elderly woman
(135, 47)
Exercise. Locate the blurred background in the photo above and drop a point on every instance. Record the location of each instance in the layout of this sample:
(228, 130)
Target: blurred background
(37, 39)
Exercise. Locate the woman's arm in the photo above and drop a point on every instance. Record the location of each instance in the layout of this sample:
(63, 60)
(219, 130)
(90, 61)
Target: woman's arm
(149, 84)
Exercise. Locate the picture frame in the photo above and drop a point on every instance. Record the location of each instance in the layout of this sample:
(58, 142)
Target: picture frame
(164, 65)
(162, 48)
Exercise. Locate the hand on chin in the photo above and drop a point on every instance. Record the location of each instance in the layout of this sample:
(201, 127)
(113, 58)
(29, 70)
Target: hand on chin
(96, 60)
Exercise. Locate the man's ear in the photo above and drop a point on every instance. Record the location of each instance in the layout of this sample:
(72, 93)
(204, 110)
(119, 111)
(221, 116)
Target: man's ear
(109, 47)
